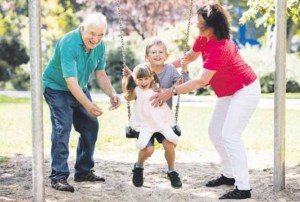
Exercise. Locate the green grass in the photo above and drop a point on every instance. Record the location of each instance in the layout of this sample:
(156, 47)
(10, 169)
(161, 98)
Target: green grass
(287, 95)
(7, 99)
(3, 159)
(16, 136)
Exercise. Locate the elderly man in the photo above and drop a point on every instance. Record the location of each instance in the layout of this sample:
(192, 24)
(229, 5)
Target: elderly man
(77, 55)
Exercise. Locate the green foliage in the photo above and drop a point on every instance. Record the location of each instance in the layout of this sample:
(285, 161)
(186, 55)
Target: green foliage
(13, 52)
(57, 18)
(262, 61)
(204, 91)
(292, 86)
(12, 55)
(3, 159)
(21, 80)
(267, 83)
(4, 73)
(13, 18)
(266, 8)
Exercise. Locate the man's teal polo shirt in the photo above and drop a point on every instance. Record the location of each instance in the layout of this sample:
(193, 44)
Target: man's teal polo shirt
(71, 60)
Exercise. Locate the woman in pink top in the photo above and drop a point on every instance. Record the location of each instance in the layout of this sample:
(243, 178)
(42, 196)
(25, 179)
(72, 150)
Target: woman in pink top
(238, 91)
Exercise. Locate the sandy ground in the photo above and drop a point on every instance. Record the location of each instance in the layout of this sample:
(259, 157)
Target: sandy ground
(195, 169)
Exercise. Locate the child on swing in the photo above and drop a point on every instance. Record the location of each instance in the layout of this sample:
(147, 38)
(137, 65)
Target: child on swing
(146, 119)
(156, 56)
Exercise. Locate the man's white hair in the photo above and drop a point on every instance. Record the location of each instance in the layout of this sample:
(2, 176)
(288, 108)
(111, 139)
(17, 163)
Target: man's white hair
(95, 18)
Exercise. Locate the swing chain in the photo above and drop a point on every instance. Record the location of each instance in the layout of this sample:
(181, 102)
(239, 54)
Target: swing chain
(184, 53)
(123, 49)
(121, 33)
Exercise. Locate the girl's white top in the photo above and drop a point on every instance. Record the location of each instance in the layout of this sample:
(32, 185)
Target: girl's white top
(144, 115)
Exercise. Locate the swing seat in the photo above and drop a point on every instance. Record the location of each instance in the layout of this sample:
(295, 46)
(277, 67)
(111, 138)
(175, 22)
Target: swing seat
(177, 130)
(130, 133)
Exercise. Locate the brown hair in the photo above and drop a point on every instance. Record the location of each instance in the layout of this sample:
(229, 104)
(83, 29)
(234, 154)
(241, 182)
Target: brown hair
(217, 18)
(140, 71)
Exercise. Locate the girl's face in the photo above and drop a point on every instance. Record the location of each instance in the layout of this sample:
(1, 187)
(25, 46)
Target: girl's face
(144, 82)
(157, 55)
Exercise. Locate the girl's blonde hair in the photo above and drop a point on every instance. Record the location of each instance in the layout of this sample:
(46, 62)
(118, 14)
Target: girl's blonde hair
(140, 71)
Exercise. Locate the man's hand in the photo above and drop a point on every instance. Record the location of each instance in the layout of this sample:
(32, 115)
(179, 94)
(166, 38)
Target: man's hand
(115, 102)
(93, 110)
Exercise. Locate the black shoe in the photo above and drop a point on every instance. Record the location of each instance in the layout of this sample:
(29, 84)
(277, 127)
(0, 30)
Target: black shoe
(237, 194)
(220, 181)
(62, 185)
(137, 178)
(91, 177)
(175, 180)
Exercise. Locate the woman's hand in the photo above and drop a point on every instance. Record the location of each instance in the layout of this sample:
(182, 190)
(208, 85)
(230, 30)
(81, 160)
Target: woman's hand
(161, 97)
(179, 81)
(184, 63)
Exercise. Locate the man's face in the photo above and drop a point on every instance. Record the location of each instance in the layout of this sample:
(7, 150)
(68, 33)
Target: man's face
(92, 35)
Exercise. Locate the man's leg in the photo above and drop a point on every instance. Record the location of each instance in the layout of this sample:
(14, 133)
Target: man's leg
(61, 118)
(88, 127)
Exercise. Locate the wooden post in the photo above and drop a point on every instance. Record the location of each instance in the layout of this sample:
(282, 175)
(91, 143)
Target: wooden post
(36, 102)
(280, 89)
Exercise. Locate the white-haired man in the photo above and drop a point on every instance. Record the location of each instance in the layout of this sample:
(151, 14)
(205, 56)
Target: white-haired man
(77, 55)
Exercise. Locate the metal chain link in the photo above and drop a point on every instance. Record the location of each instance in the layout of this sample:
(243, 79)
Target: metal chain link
(184, 53)
(123, 48)
(121, 33)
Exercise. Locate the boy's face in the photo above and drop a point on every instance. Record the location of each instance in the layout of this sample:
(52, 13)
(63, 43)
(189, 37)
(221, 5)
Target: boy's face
(157, 55)
(144, 82)
(92, 35)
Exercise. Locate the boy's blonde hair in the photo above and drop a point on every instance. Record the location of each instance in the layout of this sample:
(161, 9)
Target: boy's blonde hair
(154, 43)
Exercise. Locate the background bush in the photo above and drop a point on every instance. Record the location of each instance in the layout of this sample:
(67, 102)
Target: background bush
(21, 79)
(114, 66)
(262, 61)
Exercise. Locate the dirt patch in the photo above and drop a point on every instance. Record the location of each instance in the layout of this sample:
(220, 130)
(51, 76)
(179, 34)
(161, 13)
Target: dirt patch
(195, 168)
